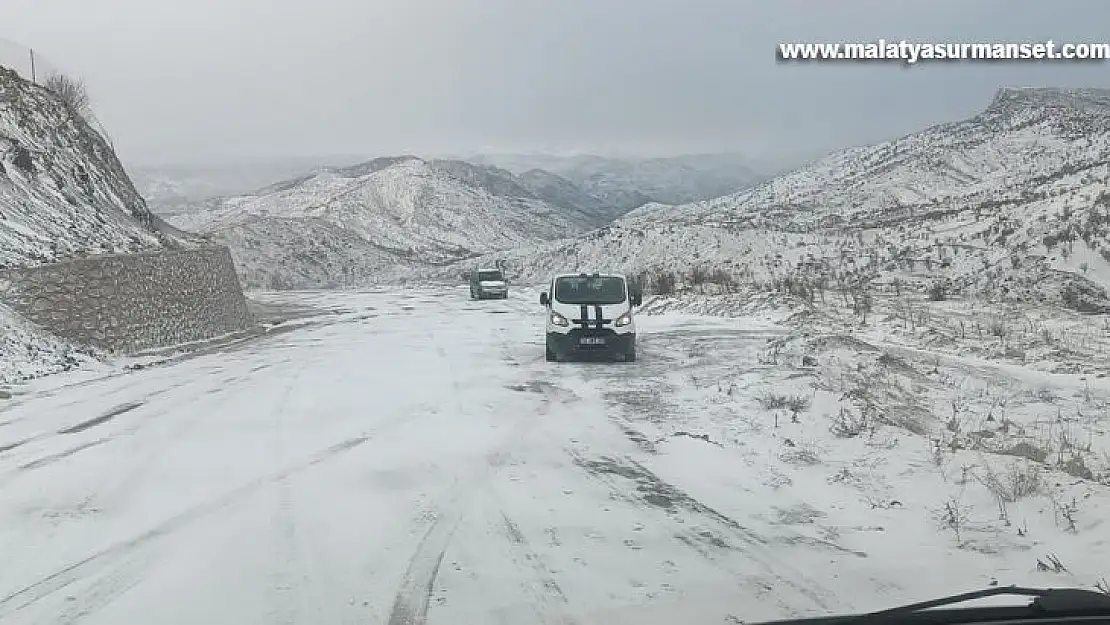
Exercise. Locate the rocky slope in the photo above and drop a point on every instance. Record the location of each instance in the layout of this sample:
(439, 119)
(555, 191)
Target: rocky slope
(63, 192)
(1010, 204)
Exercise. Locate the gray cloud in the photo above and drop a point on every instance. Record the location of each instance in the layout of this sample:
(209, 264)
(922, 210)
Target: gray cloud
(189, 80)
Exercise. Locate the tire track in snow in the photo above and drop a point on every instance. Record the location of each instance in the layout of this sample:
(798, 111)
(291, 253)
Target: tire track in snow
(284, 590)
(151, 454)
(283, 606)
(105, 588)
(61, 455)
(644, 388)
(102, 419)
(410, 606)
(547, 594)
(245, 345)
(124, 571)
(75, 572)
(643, 488)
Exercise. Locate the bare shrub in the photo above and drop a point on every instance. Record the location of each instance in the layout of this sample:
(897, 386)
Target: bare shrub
(800, 453)
(797, 403)
(721, 277)
(1051, 564)
(705, 275)
(772, 401)
(663, 283)
(636, 283)
(938, 292)
(849, 424)
(1076, 467)
(70, 90)
(1065, 514)
(770, 356)
(699, 276)
(1022, 479)
(953, 515)
(997, 328)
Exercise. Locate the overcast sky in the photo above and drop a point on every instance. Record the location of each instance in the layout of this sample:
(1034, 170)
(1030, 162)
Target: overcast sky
(206, 80)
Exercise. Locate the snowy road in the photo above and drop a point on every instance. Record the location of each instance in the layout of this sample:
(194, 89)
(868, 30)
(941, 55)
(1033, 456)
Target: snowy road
(412, 461)
(411, 458)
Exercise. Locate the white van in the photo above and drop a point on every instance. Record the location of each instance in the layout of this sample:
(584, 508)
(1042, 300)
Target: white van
(590, 315)
(488, 283)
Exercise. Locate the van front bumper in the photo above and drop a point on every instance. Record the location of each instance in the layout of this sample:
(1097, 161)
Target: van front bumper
(590, 343)
(493, 291)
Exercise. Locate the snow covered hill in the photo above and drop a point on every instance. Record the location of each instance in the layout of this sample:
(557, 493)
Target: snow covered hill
(1011, 204)
(344, 226)
(630, 183)
(63, 192)
(562, 192)
(171, 190)
(582, 208)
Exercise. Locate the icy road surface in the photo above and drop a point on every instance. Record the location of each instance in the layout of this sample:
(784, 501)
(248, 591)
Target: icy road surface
(412, 459)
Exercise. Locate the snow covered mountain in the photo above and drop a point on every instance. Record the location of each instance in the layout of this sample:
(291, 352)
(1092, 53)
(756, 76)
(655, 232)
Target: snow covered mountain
(1011, 203)
(173, 189)
(562, 192)
(581, 207)
(630, 183)
(344, 226)
(63, 192)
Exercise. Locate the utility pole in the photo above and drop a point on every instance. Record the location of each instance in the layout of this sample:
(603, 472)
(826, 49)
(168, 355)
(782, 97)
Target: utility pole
(33, 77)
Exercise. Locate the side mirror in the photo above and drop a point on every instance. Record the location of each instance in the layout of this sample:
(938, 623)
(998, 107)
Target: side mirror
(544, 301)
(636, 299)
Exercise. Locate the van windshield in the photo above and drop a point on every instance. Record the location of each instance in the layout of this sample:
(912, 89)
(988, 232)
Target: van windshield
(589, 290)
(489, 276)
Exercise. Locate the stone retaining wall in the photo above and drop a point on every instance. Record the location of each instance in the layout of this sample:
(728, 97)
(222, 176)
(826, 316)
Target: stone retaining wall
(128, 303)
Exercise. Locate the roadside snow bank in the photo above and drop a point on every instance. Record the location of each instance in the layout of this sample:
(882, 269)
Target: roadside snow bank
(774, 307)
(886, 460)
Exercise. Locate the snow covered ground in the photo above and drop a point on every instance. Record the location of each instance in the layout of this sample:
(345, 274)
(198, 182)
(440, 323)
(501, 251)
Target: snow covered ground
(27, 352)
(408, 457)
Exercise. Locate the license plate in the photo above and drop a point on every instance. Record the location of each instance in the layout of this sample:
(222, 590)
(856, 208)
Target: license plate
(591, 340)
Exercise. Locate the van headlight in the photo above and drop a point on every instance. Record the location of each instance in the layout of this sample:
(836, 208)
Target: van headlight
(623, 320)
(558, 320)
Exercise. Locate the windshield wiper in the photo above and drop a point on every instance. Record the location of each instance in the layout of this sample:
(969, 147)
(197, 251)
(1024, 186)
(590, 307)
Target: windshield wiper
(1049, 605)
(1047, 602)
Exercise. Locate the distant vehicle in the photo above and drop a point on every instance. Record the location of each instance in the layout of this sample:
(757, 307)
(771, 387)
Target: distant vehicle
(590, 315)
(488, 283)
